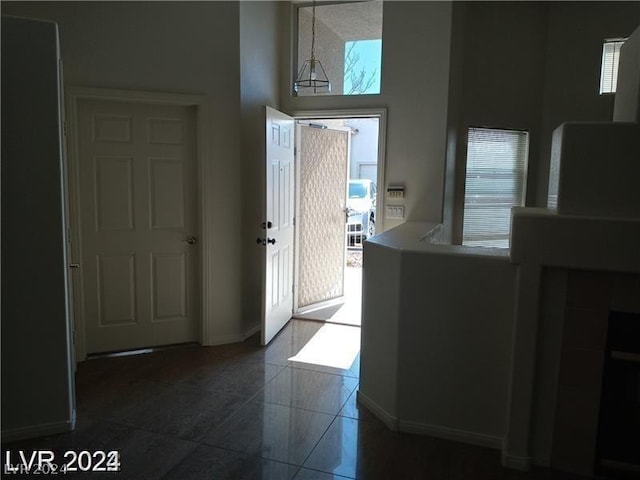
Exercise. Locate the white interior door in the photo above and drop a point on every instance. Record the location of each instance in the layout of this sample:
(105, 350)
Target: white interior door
(278, 229)
(323, 163)
(138, 215)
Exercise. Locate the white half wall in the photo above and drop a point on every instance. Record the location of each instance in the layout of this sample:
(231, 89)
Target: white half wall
(437, 336)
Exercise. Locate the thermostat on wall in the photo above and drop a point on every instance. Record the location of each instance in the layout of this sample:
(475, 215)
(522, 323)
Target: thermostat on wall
(395, 191)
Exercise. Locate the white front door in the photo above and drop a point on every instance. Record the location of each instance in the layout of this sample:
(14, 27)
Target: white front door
(277, 229)
(138, 215)
(322, 172)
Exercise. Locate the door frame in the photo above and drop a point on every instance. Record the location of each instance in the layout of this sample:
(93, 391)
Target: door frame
(74, 96)
(381, 114)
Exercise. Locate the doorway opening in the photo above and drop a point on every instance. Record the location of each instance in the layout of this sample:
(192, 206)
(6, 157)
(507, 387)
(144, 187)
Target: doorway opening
(338, 170)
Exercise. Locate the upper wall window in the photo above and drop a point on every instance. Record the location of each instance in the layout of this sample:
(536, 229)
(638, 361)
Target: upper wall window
(348, 47)
(609, 70)
(494, 182)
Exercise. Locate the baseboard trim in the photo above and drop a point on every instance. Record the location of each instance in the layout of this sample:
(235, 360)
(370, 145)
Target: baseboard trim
(463, 436)
(446, 433)
(515, 462)
(224, 339)
(389, 420)
(35, 431)
(251, 332)
(234, 338)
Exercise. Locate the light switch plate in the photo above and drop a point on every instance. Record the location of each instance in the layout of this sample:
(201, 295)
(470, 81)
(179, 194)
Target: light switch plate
(395, 192)
(395, 211)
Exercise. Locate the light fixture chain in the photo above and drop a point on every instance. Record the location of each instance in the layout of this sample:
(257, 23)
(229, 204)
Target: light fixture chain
(313, 30)
(312, 74)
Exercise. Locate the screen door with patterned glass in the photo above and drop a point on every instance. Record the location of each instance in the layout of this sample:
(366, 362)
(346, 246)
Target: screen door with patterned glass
(323, 162)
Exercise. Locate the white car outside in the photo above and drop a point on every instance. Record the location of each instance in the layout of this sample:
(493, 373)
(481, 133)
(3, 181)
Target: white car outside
(361, 209)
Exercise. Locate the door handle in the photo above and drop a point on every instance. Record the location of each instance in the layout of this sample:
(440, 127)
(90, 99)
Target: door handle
(347, 211)
(74, 265)
(263, 241)
(191, 240)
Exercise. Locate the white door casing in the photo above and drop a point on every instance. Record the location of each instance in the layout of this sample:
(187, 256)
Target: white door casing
(138, 210)
(322, 171)
(277, 238)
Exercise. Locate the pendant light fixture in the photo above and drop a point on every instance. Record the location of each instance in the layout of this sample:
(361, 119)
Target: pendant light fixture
(312, 76)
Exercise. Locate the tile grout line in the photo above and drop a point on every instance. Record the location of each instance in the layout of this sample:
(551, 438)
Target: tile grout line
(318, 443)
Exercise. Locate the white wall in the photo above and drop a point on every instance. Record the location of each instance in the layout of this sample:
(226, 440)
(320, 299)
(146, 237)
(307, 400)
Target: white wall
(415, 75)
(37, 381)
(259, 56)
(497, 82)
(576, 31)
(627, 104)
(455, 342)
(171, 47)
(379, 336)
(545, 74)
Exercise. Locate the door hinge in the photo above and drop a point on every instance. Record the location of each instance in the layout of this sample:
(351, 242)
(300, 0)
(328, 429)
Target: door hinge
(294, 221)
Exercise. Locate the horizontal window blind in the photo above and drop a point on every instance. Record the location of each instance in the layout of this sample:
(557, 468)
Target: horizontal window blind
(610, 60)
(495, 182)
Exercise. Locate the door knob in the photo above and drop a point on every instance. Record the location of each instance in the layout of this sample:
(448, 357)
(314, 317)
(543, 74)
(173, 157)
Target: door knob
(262, 241)
(191, 240)
(266, 225)
(347, 212)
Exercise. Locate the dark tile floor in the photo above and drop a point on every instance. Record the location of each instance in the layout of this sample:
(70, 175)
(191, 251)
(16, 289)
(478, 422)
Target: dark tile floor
(245, 412)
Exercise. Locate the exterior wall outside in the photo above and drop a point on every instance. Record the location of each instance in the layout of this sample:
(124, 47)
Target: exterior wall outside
(364, 146)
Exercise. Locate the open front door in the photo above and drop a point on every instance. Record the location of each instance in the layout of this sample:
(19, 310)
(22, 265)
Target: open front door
(278, 230)
(322, 174)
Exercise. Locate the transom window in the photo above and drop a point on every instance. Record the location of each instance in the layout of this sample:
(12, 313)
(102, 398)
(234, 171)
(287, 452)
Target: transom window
(495, 181)
(348, 45)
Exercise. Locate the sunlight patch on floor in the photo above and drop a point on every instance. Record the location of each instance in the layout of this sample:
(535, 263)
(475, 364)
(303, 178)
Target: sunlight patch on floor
(332, 346)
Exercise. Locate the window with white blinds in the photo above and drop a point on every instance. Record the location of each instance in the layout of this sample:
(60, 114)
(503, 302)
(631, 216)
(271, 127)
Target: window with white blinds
(495, 181)
(609, 69)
